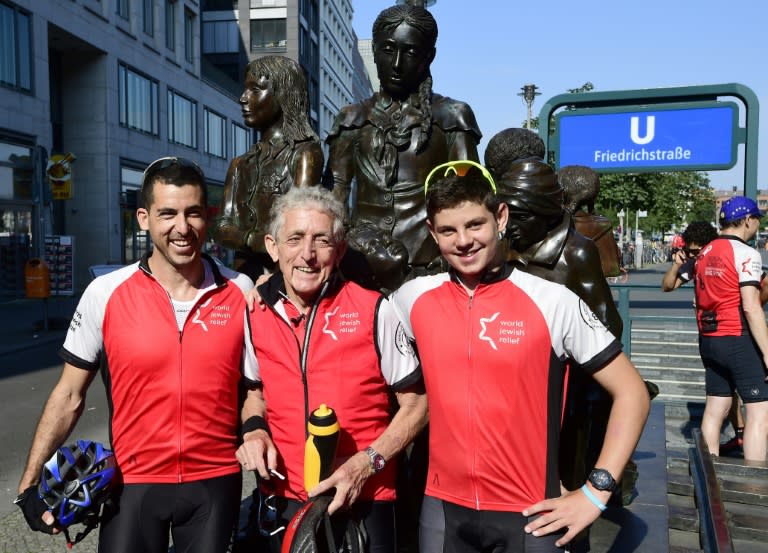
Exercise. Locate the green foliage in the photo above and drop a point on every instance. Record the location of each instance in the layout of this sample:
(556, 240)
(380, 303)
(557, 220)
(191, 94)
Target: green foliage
(671, 199)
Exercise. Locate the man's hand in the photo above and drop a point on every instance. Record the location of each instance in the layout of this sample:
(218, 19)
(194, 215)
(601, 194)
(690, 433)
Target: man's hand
(36, 512)
(348, 480)
(258, 453)
(573, 510)
(252, 298)
(679, 257)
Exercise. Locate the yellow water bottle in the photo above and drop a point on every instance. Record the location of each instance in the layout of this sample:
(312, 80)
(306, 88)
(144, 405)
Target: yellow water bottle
(320, 449)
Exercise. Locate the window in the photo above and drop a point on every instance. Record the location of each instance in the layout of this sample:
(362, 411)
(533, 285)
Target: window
(241, 140)
(182, 120)
(170, 24)
(148, 13)
(221, 37)
(123, 8)
(15, 48)
(268, 33)
(215, 134)
(136, 242)
(189, 36)
(138, 101)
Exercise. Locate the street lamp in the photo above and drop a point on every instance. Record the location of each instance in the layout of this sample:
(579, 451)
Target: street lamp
(417, 3)
(529, 93)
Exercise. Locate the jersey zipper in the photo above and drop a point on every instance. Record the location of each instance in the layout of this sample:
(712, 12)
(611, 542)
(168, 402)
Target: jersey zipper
(470, 376)
(179, 367)
(305, 355)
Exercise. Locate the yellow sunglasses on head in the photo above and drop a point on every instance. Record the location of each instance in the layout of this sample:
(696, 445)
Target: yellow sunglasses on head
(459, 168)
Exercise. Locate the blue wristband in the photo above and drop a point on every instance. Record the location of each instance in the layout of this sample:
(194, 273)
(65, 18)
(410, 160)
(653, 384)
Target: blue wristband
(595, 501)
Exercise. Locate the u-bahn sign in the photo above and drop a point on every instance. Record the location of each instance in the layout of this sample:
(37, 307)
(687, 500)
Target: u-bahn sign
(707, 130)
(695, 136)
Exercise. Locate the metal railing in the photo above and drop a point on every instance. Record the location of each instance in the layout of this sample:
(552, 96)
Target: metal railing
(623, 303)
(714, 533)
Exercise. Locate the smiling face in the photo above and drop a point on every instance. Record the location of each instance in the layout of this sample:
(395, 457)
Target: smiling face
(468, 238)
(402, 60)
(176, 222)
(306, 252)
(261, 109)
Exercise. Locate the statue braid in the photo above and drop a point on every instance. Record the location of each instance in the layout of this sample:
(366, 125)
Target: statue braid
(425, 101)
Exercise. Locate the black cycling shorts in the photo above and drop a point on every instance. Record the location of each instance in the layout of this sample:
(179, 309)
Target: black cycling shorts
(733, 362)
(200, 517)
(449, 528)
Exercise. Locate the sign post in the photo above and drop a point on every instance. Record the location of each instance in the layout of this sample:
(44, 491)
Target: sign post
(695, 137)
(698, 121)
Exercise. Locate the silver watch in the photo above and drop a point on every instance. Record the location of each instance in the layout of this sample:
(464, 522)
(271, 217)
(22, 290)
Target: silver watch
(377, 460)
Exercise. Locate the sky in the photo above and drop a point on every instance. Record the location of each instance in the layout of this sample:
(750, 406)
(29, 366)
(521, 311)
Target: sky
(488, 49)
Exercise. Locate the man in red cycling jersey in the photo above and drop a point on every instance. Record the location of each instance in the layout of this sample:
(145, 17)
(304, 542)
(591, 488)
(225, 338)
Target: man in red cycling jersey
(171, 331)
(733, 337)
(324, 340)
(493, 342)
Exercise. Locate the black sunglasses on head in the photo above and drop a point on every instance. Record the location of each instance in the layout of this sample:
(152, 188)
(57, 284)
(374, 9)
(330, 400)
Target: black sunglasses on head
(166, 162)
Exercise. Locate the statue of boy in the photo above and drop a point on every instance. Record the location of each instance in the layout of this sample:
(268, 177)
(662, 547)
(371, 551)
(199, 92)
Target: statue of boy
(288, 153)
(581, 185)
(390, 142)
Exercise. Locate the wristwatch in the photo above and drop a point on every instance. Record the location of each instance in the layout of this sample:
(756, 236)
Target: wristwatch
(377, 460)
(602, 480)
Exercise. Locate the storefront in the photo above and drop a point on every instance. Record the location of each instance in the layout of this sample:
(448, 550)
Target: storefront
(18, 214)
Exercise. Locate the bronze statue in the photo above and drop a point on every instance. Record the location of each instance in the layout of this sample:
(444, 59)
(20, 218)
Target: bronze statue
(288, 153)
(382, 148)
(581, 185)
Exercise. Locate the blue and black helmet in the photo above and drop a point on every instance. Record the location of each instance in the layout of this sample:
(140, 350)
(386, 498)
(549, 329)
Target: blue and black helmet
(77, 480)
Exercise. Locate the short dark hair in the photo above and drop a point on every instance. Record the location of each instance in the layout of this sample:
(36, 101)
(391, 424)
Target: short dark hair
(699, 232)
(177, 171)
(453, 190)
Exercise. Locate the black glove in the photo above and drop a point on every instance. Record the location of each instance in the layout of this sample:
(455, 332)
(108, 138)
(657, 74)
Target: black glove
(33, 508)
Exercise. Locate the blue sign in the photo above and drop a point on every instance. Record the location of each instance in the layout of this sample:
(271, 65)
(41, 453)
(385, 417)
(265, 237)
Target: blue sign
(674, 137)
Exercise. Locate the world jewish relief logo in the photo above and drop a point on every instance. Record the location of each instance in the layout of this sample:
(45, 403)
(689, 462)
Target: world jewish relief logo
(500, 331)
(340, 323)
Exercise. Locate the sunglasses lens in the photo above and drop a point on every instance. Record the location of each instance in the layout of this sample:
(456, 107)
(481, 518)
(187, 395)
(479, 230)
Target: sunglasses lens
(165, 162)
(267, 515)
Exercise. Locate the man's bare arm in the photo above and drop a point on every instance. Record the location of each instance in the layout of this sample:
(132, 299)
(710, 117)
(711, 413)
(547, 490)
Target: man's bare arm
(61, 412)
(349, 478)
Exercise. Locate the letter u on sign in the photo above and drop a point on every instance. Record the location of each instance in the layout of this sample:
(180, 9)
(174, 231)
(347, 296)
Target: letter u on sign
(650, 129)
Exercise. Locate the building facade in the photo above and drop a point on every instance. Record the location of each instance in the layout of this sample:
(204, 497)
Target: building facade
(116, 84)
(111, 85)
(318, 34)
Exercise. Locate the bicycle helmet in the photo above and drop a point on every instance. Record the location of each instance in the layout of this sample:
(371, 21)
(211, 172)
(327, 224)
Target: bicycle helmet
(308, 530)
(677, 242)
(76, 481)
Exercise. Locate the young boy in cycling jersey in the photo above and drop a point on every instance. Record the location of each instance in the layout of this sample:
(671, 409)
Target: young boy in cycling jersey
(493, 343)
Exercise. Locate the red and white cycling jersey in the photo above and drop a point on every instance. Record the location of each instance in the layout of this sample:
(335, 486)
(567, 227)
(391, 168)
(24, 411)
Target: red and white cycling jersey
(352, 355)
(494, 367)
(173, 395)
(722, 268)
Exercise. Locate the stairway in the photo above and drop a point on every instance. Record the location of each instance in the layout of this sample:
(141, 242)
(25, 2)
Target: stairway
(667, 353)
